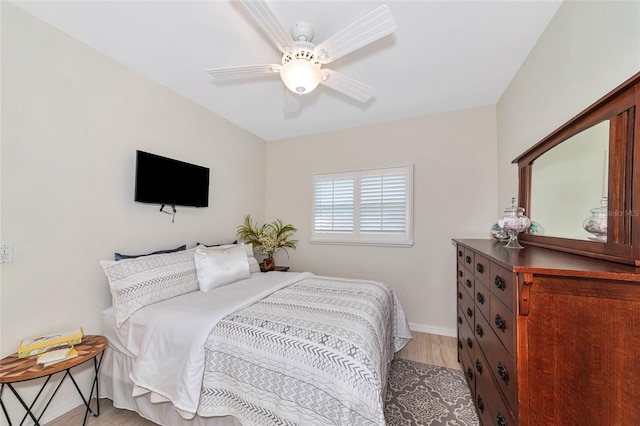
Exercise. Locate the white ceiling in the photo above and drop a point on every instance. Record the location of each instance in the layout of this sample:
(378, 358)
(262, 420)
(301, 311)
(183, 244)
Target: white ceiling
(444, 55)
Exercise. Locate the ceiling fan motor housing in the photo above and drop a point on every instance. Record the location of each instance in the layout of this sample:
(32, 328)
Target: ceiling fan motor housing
(304, 51)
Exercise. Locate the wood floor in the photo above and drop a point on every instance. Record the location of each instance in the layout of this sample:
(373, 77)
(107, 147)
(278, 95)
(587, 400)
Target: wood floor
(427, 348)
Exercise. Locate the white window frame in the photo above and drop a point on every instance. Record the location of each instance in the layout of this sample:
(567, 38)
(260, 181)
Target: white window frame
(357, 236)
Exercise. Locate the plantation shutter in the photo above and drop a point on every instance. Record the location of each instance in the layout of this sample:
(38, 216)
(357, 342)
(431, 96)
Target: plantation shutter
(334, 203)
(363, 207)
(383, 201)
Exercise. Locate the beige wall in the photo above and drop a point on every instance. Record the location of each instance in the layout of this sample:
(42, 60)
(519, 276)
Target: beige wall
(588, 49)
(454, 157)
(72, 119)
(71, 122)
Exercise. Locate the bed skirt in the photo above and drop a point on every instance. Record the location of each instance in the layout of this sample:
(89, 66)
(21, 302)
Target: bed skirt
(116, 385)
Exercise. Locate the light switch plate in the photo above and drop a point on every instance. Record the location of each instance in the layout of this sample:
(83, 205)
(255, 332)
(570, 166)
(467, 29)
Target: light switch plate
(6, 253)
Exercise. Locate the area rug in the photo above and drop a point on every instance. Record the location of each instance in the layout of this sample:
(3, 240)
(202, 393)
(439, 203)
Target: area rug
(421, 394)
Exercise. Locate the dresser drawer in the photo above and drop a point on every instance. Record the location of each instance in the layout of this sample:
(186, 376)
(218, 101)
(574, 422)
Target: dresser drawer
(499, 362)
(502, 285)
(466, 277)
(481, 269)
(461, 272)
(491, 408)
(503, 323)
(460, 253)
(482, 299)
(468, 369)
(469, 259)
(465, 335)
(466, 305)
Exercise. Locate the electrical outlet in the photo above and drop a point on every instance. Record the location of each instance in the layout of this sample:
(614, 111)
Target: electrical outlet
(6, 253)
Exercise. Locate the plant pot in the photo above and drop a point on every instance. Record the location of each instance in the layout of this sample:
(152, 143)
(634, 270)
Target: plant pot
(268, 264)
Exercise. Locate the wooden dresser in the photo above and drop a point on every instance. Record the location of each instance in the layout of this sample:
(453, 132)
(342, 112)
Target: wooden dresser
(548, 338)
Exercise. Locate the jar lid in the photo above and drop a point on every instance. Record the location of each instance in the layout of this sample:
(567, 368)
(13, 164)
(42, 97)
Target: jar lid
(514, 210)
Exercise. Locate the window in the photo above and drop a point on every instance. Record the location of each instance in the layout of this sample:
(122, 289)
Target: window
(364, 207)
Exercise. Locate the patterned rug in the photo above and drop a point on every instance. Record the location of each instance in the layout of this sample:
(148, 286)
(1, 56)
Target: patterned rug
(420, 394)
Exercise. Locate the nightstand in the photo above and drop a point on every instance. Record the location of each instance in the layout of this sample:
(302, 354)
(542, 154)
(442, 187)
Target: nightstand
(277, 268)
(14, 369)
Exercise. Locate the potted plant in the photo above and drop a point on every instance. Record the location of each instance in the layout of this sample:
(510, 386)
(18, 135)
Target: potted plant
(268, 238)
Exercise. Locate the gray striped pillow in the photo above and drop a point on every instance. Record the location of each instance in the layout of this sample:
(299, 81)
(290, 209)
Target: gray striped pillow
(139, 282)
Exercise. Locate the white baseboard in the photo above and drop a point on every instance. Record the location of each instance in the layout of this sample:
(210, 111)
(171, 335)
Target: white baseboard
(433, 330)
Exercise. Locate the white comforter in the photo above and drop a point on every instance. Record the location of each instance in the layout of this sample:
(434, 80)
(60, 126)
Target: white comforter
(170, 361)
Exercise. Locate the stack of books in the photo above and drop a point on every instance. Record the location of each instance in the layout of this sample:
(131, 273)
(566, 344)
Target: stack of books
(44, 343)
(55, 356)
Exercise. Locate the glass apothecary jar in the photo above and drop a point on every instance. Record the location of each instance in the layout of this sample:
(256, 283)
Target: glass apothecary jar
(514, 222)
(596, 224)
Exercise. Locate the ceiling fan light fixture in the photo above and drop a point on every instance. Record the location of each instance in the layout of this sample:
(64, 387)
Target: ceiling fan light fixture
(301, 76)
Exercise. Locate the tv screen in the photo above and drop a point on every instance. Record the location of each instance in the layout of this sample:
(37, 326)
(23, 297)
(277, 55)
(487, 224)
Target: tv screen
(162, 180)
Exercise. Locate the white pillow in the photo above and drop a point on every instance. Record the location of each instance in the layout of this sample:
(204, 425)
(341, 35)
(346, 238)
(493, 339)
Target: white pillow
(139, 282)
(254, 266)
(217, 266)
(253, 262)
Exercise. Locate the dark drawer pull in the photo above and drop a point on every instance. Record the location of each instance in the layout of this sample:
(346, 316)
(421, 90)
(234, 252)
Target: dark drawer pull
(469, 342)
(459, 319)
(468, 259)
(479, 331)
(500, 322)
(460, 274)
(469, 373)
(459, 295)
(479, 366)
(500, 420)
(460, 346)
(480, 298)
(480, 403)
(459, 253)
(499, 282)
(469, 312)
(468, 283)
(502, 372)
(480, 268)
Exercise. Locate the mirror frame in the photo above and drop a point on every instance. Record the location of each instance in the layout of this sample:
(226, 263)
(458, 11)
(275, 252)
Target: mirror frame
(622, 107)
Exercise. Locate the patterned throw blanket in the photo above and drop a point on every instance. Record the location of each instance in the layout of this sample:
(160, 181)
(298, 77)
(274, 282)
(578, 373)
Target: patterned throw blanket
(314, 353)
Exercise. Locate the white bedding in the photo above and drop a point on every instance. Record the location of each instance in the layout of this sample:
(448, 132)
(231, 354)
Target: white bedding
(128, 337)
(331, 339)
(170, 362)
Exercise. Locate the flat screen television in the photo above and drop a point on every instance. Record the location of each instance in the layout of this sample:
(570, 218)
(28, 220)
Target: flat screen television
(162, 180)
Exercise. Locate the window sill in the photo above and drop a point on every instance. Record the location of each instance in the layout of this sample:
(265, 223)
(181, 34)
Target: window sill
(364, 243)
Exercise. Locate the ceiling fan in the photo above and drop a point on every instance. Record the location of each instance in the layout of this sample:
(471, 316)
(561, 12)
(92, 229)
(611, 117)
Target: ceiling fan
(301, 69)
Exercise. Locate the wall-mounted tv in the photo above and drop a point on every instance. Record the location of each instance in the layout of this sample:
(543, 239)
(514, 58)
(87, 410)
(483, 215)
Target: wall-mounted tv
(162, 180)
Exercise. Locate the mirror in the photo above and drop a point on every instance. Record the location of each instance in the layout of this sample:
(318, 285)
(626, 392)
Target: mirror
(568, 181)
(584, 171)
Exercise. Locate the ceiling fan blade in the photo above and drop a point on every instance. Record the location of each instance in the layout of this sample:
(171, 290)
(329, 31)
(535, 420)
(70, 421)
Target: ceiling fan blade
(243, 71)
(347, 85)
(291, 102)
(365, 30)
(264, 17)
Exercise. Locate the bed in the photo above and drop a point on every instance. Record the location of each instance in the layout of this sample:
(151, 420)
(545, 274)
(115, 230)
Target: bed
(276, 348)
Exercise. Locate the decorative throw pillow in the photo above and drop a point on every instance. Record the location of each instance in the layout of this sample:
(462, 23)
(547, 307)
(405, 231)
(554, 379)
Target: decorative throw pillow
(216, 266)
(141, 281)
(119, 256)
(254, 266)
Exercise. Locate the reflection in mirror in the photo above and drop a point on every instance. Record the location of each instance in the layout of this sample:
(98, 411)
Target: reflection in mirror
(568, 181)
